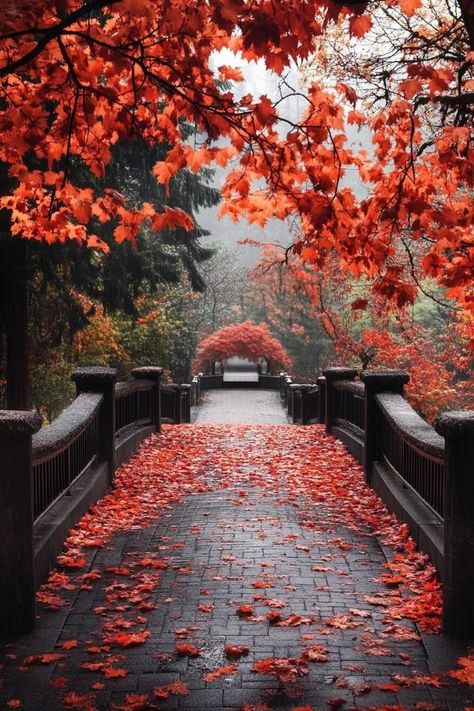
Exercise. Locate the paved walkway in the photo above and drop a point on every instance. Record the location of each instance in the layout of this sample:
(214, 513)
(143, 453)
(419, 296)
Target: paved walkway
(236, 567)
(240, 406)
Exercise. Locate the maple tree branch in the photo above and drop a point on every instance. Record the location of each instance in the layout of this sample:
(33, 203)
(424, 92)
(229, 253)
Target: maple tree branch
(418, 283)
(51, 33)
(446, 99)
(468, 18)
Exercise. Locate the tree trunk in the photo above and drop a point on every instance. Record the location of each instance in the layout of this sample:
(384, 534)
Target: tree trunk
(14, 316)
(467, 12)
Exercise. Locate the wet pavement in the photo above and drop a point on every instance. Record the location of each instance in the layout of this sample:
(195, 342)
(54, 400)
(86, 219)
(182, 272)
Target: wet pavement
(240, 406)
(233, 587)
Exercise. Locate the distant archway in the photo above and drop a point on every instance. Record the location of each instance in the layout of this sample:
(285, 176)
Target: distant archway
(246, 340)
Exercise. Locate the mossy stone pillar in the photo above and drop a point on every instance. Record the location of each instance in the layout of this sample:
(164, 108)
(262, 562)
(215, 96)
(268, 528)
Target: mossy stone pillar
(17, 592)
(458, 578)
(375, 382)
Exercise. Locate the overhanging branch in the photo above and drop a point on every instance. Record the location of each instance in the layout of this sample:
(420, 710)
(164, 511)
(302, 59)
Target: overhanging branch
(52, 33)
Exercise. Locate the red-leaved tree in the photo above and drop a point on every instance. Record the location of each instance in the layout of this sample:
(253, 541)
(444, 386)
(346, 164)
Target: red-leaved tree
(247, 340)
(78, 76)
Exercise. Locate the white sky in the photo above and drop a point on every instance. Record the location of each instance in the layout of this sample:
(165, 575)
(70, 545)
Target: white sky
(258, 80)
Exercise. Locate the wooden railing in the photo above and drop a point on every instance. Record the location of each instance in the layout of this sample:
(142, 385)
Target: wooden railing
(132, 403)
(50, 476)
(412, 448)
(301, 400)
(213, 382)
(348, 405)
(176, 401)
(64, 450)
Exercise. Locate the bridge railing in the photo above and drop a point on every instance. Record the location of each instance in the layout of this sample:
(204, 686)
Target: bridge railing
(424, 475)
(348, 403)
(50, 476)
(411, 448)
(301, 400)
(64, 450)
(132, 403)
(304, 405)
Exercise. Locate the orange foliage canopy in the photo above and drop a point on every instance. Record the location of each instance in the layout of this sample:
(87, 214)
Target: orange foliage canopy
(246, 340)
(77, 77)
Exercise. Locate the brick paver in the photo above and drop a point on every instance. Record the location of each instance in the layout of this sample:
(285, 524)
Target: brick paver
(239, 542)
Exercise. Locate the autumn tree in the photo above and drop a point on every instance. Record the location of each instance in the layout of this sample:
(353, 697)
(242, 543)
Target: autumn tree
(78, 77)
(247, 340)
(324, 310)
(410, 82)
(286, 293)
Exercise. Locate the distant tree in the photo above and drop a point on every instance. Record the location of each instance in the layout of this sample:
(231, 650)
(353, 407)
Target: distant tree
(225, 283)
(247, 340)
(283, 293)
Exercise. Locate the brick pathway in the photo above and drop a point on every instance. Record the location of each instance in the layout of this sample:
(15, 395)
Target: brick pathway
(241, 406)
(239, 536)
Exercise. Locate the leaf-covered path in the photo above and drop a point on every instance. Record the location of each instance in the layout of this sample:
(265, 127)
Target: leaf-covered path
(235, 567)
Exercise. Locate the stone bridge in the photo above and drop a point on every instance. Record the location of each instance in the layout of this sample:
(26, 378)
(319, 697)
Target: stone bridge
(240, 556)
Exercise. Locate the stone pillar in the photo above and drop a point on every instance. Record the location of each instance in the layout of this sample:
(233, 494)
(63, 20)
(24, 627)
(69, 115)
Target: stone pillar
(17, 592)
(186, 402)
(296, 398)
(304, 395)
(176, 398)
(101, 380)
(321, 381)
(458, 578)
(282, 384)
(149, 372)
(290, 404)
(377, 381)
(332, 375)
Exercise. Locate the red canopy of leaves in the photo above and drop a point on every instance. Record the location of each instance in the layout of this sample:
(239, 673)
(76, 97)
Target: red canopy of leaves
(247, 340)
(76, 80)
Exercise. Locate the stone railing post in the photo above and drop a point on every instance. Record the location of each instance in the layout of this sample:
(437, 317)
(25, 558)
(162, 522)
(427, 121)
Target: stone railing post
(186, 402)
(304, 389)
(101, 380)
(321, 381)
(291, 400)
(458, 578)
(332, 375)
(377, 381)
(17, 592)
(296, 397)
(149, 372)
(195, 390)
(304, 402)
(176, 392)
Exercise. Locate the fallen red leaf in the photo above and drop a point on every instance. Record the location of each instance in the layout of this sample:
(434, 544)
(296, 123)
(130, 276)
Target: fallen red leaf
(129, 639)
(228, 670)
(236, 650)
(188, 650)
